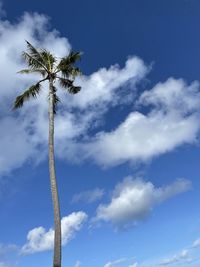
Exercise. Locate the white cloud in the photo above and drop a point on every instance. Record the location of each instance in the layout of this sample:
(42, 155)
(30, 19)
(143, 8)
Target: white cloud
(88, 196)
(174, 94)
(172, 121)
(38, 239)
(115, 263)
(133, 199)
(100, 87)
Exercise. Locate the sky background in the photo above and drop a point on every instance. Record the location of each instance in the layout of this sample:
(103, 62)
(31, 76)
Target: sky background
(127, 146)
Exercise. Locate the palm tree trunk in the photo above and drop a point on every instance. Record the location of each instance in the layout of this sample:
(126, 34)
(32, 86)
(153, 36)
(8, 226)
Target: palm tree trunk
(54, 189)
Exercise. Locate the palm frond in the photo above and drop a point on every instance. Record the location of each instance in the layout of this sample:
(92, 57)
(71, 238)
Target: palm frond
(37, 58)
(33, 70)
(74, 89)
(65, 82)
(66, 64)
(71, 59)
(68, 84)
(33, 62)
(75, 72)
(35, 53)
(70, 72)
(33, 91)
(48, 59)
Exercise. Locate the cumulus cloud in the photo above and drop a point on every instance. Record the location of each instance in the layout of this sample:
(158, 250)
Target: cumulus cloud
(26, 131)
(133, 199)
(38, 239)
(173, 120)
(88, 196)
(115, 263)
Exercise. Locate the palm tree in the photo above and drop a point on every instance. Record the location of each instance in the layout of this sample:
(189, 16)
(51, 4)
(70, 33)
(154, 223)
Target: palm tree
(65, 71)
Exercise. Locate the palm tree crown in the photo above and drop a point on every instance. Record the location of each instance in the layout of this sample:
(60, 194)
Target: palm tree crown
(44, 63)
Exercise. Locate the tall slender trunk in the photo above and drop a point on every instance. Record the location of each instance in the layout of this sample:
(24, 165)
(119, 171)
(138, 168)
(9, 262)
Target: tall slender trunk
(54, 189)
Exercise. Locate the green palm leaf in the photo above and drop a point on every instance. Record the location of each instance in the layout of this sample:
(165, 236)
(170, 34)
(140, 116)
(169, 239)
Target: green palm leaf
(71, 59)
(48, 59)
(29, 71)
(66, 65)
(68, 84)
(65, 83)
(43, 62)
(32, 61)
(33, 91)
(74, 89)
(34, 53)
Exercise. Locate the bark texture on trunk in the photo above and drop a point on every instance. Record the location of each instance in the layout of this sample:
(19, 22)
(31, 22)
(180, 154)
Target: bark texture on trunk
(54, 189)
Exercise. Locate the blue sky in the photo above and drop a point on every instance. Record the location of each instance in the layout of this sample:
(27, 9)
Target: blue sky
(127, 146)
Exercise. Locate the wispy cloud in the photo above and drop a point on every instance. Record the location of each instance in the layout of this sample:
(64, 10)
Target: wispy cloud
(8, 254)
(115, 262)
(88, 196)
(196, 243)
(188, 256)
(182, 256)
